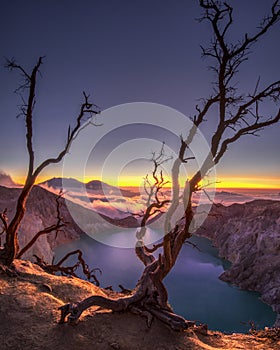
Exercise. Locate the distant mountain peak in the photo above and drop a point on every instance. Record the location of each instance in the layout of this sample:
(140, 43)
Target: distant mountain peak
(97, 185)
(94, 185)
(59, 182)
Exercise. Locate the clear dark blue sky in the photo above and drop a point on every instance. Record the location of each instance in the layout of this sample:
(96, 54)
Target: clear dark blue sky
(123, 51)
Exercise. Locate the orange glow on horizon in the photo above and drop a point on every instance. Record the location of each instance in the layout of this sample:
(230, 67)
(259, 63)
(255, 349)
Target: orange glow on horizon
(137, 181)
(248, 182)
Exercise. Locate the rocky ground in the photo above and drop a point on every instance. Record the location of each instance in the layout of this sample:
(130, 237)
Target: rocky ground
(29, 320)
(248, 235)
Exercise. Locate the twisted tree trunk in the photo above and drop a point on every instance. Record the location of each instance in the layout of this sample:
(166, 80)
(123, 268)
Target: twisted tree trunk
(148, 299)
(11, 246)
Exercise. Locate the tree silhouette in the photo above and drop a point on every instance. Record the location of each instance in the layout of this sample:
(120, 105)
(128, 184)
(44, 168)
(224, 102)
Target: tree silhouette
(238, 115)
(87, 110)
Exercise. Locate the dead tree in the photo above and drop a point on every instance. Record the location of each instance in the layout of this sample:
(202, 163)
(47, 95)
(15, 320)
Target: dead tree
(87, 110)
(239, 114)
(90, 275)
(155, 205)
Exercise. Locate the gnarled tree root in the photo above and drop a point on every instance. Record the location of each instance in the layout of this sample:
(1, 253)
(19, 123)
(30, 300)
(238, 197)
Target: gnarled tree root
(73, 311)
(9, 270)
(146, 300)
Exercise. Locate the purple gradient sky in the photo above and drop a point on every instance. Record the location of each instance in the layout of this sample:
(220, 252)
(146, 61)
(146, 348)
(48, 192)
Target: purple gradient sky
(123, 51)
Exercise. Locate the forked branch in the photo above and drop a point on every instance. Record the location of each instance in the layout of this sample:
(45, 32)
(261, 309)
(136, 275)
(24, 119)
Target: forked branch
(55, 227)
(90, 274)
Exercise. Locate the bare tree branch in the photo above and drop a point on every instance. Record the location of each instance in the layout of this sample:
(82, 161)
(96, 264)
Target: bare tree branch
(87, 109)
(55, 227)
(249, 130)
(71, 270)
(28, 111)
(4, 219)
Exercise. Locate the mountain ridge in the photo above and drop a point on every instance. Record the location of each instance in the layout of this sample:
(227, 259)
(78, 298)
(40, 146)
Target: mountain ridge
(93, 185)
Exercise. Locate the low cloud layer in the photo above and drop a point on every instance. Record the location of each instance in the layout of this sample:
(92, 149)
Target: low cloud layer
(119, 206)
(6, 180)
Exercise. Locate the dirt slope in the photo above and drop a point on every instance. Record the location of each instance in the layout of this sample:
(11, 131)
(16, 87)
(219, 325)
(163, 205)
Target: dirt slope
(29, 314)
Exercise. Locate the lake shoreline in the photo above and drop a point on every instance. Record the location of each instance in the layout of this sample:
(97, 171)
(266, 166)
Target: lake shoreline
(194, 272)
(248, 235)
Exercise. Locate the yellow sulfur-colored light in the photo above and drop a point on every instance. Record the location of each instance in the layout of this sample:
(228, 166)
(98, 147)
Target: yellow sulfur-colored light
(137, 181)
(248, 182)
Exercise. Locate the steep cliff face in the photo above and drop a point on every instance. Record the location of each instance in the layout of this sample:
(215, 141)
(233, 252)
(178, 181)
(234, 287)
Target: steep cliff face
(41, 213)
(248, 235)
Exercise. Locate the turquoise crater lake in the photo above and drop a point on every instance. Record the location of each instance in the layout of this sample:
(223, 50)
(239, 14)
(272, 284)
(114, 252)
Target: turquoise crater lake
(194, 288)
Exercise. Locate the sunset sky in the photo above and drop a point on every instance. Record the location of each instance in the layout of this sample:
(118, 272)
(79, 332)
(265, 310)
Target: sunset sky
(121, 52)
